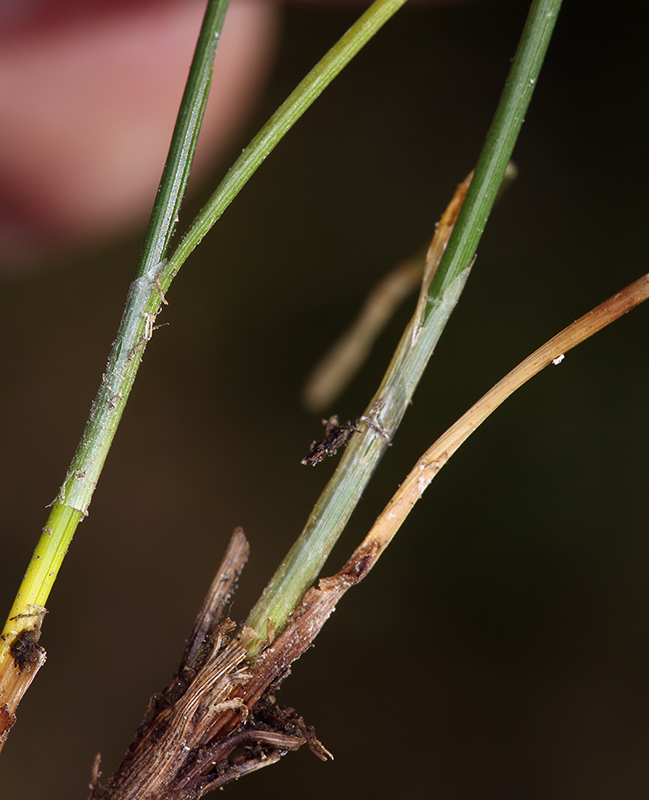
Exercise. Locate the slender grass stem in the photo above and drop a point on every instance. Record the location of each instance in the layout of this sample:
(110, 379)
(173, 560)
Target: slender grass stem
(499, 144)
(142, 305)
(308, 90)
(440, 293)
(184, 140)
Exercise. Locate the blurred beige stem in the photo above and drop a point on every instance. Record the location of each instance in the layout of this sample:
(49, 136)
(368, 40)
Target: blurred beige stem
(336, 369)
(339, 365)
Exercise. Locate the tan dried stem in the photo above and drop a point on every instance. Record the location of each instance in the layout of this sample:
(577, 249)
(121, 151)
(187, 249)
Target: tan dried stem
(338, 366)
(553, 351)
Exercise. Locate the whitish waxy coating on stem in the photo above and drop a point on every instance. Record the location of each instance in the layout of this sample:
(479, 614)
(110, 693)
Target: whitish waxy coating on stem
(135, 330)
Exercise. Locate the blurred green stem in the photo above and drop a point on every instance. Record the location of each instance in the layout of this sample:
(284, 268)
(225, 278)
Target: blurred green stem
(306, 558)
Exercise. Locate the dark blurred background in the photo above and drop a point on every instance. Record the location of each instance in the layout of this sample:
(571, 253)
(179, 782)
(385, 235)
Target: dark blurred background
(500, 648)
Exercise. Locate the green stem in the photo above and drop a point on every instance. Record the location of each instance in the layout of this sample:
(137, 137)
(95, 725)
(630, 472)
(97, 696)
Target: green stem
(183, 142)
(306, 558)
(278, 125)
(499, 144)
(142, 305)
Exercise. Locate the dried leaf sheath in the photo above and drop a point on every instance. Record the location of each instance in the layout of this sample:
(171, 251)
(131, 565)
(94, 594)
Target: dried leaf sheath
(218, 595)
(177, 726)
(200, 733)
(208, 672)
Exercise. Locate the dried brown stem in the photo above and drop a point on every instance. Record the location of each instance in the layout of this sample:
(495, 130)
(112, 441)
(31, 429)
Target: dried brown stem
(202, 731)
(218, 595)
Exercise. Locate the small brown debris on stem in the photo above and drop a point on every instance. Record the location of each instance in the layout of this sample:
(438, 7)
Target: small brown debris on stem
(21, 661)
(336, 436)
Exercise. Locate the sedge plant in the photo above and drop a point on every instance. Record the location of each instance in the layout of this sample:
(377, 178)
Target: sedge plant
(444, 279)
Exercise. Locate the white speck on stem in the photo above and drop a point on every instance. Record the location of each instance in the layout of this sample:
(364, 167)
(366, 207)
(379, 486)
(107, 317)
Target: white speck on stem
(558, 359)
